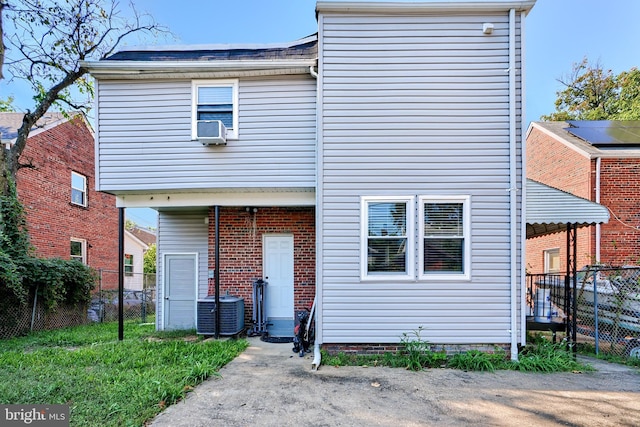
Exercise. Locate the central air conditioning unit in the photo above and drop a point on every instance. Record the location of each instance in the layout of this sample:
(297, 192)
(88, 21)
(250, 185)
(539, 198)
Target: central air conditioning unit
(231, 315)
(211, 132)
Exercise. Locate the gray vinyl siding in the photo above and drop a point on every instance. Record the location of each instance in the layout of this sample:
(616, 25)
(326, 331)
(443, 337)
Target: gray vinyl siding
(415, 105)
(144, 130)
(182, 231)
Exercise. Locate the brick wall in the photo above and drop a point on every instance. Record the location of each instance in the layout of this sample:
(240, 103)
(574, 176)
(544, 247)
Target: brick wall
(46, 194)
(553, 163)
(241, 235)
(620, 192)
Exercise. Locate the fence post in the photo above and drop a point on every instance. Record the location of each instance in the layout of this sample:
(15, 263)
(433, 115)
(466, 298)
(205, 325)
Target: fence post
(595, 311)
(143, 309)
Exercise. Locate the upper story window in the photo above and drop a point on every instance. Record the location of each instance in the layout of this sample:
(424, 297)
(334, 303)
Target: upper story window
(79, 250)
(78, 189)
(216, 100)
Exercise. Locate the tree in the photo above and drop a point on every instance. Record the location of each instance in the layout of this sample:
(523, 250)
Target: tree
(591, 93)
(46, 42)
(627, 105)
(149, 259)
(6, 105)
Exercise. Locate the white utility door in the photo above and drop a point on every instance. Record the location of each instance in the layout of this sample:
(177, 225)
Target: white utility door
(278, 273)
(181, 281)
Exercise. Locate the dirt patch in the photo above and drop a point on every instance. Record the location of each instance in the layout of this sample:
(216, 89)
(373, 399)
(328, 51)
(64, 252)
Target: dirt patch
(269, 386)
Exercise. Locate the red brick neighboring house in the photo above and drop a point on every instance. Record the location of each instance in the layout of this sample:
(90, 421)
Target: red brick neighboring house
(66, 217)
(607, 174)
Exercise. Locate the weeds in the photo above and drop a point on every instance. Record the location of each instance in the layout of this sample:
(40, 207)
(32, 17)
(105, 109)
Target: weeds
(417, 354)
(474, 360)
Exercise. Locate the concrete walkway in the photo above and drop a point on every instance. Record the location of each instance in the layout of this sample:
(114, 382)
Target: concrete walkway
(269, 385)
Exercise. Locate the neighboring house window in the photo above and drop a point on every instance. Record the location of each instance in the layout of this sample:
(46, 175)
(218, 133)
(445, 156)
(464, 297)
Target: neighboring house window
(216, 100)
(79, 250)
(128, 265)
(391, 226)
(552, 260)
(78, 189)
(444, 237)
(388, 243)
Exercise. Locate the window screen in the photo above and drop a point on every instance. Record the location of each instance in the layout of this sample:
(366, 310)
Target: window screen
(387, 237)
(443, 237)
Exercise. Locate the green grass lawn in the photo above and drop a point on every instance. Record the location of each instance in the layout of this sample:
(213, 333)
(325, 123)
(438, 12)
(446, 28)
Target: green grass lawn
(107, 382)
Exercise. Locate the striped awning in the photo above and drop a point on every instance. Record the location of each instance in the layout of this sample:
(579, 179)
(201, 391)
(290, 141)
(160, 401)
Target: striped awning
(549, 210)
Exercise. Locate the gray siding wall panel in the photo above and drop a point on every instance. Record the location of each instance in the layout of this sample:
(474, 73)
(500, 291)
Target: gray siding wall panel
(145, 137)
(182, 231)
(415, 105)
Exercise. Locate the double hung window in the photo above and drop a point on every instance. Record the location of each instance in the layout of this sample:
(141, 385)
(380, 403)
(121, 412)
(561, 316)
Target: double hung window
(78, 189)
(427, 240)
(216, 100)
(78, 250)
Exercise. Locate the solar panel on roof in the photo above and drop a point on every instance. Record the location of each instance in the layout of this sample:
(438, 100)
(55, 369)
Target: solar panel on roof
(607, 133)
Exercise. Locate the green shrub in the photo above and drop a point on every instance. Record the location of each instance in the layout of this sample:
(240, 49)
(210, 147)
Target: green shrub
(59, 281)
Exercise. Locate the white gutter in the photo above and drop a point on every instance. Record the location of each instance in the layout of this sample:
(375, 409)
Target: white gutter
(112, 67)
(513, 190)
(523, 194)
(319, 197)
(597, 190)
(436, 6)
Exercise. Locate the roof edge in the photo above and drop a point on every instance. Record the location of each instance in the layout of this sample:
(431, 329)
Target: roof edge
(437, 6)
(561, 139)
(224, 46)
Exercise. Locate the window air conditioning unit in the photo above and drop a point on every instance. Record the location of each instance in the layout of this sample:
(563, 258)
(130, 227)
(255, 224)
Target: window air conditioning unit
(211, 132)
(231, 315)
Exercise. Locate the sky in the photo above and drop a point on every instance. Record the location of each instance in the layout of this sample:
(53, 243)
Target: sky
(558, 34)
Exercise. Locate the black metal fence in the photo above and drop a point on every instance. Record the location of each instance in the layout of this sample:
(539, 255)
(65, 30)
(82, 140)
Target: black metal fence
(599, 311)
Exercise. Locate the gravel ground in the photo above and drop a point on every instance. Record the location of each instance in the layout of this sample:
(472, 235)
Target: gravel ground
(269, 385)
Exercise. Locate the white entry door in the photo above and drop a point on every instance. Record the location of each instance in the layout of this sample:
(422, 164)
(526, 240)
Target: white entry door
(278, 273)
(181, 278)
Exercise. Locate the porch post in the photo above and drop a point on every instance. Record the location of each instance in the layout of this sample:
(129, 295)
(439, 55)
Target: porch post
(120, 274)
(571, 282)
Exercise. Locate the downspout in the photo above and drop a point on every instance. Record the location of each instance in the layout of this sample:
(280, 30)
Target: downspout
(216, 268)
(597, 190)
(315, 364)
(513, 200)
(523, 193)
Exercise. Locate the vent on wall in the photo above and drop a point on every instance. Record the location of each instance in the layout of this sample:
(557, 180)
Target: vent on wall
(231, 315)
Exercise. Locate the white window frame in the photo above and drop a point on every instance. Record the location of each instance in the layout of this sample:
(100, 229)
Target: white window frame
(547, 260)
(130, 265)
(83, 243)
(466, 247)
(84, 190)
(364, 252)
(195, 84)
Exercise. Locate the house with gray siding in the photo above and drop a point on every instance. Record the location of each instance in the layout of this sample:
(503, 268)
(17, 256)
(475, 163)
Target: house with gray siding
(374, 168)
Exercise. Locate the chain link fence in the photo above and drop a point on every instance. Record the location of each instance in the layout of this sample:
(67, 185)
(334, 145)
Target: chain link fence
(604, 308)
(19, 319)
(139, 297)
(139, 304)
(608, 310)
